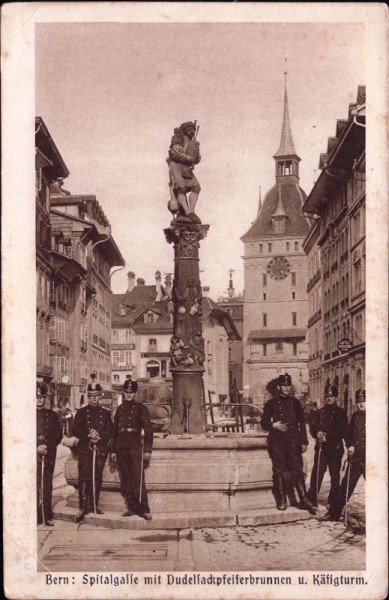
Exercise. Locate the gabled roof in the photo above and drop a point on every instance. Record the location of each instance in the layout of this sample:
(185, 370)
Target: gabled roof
(45, 143)
(142, 299)
(349, 146)
(137, 301)
(210, 307)
(292, 197)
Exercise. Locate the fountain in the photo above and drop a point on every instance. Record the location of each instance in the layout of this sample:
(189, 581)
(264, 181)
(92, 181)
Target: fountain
(197, 477)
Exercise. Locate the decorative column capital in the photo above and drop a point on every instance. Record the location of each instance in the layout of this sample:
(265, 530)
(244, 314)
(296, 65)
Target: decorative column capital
(190, 233)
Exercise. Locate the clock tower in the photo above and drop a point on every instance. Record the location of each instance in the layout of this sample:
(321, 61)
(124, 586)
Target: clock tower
(275, 281)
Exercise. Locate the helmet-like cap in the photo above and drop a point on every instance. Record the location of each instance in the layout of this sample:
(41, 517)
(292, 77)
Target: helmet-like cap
(285, 379)
(130, 387)
(331, 390)
(94, 389)
(41, 390)
(360, 395)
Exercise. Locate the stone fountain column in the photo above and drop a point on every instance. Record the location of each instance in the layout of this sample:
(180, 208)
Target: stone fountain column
(187, 354)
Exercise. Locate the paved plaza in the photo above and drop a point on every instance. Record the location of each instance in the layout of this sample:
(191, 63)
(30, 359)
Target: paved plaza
(304, 545)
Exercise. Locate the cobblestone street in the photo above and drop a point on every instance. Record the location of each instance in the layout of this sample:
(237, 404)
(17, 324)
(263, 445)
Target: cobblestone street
(306, 545)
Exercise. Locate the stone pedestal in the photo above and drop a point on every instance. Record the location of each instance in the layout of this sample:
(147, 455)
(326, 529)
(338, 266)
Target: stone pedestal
(187, 344)
(214, 478)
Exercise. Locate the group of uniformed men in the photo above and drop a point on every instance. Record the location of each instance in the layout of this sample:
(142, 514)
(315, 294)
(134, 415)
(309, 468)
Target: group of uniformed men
(283, 418)
(129, 441)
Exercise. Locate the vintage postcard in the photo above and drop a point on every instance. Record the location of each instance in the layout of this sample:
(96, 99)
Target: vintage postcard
(198, 298)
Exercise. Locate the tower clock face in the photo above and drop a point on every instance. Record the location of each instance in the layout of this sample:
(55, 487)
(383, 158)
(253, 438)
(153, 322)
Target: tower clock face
(278, 268)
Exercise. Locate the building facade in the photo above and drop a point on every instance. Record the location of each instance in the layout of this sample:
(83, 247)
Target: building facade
(233, 305)
(142, 326)
(84, 252)
(74, 254)
(275, 279)
(49, 166)
(315, 321)
(338, 201)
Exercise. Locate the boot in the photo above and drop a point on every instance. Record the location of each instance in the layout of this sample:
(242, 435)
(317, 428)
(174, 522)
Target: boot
(305, 503)
(289, 490)
(98, 488)
(82, 501)
(280, 493)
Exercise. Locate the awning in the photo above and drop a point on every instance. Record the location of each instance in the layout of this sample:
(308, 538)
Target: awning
(276, 334)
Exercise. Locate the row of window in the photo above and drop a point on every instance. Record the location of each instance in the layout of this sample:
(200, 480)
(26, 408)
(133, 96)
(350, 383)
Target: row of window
(338, 293)
(261, 248)
(62, 366)
(358, 225)
(264, 296)
(120, 336)
(59, 331)
(42, 291)
(42, 343)
(42, 232)
(42, 189)
(121, 358)
(314, 264)
(293, 278)
(315, 300)
(293, 319)
(275, 349)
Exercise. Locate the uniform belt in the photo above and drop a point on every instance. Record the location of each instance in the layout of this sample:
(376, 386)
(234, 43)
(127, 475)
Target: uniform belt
(128, 430)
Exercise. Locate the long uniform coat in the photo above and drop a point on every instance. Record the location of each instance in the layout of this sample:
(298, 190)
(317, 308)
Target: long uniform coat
(128, 447)
(87, 418)
(285, 447)
(49, 432)
(331, 420)
(356, 437)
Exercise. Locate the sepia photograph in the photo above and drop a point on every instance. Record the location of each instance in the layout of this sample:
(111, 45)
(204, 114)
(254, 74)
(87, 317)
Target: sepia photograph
(197, 296)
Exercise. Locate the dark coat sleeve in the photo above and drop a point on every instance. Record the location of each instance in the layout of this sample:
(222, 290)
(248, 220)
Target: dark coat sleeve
(349, 439)
(115, 427)
(343, 425)
(266, 420)
(79, 429)
(106, 432)
(57, 429)
(314, 424)
(148, 429)
(302, 426)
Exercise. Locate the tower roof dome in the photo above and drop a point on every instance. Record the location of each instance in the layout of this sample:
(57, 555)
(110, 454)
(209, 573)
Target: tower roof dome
(296, 224)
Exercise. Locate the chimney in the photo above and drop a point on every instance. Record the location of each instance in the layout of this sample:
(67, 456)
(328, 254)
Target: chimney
(158, 285)
(131, 281)
(140, 281)
(206, 291)
(168, 285)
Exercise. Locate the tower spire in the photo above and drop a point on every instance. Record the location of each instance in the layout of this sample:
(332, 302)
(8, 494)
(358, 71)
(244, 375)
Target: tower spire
(286, 144)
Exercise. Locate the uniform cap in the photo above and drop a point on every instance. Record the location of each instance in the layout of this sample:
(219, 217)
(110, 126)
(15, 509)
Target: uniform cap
(331, 389)
(285, 379)
(94, 389)
(360, 395)
(130, 387)
(41, 390)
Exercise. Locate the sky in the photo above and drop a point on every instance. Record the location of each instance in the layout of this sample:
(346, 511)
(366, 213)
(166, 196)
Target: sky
(111, 95)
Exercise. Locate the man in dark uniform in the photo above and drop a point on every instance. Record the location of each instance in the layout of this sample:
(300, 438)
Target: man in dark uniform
(356, 450)
(49, 435)
(93, 427)
(133, 453)
(283, 418)
(329, 428)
